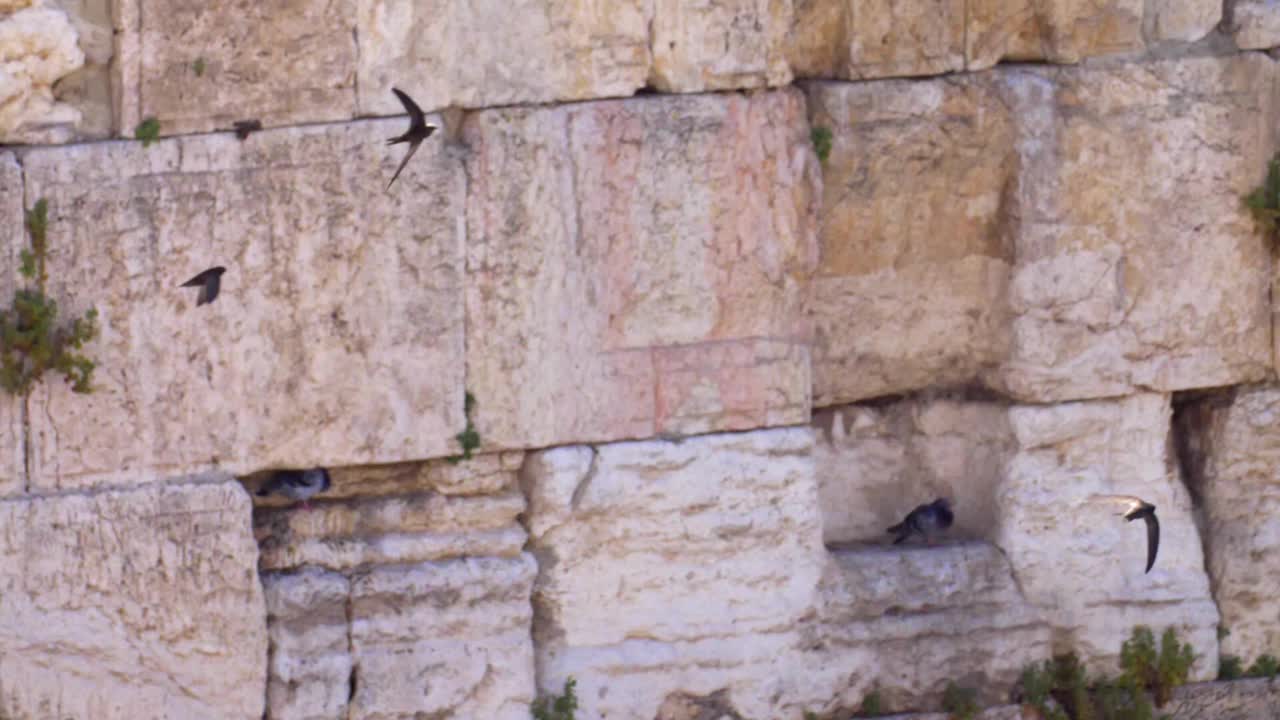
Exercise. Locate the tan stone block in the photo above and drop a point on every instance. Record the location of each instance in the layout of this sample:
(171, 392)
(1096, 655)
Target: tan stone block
(1256, 24)
(517, 51)
(336, 340)
(643, 238)
(129, 604)
(719, 44)
(860, 39)
(310, 669)
(1184, 20)
(88, 89)
(279, 63)
(1138, 266)
(1055, 30)
(448, 639)
(915, 237)
(38, 48)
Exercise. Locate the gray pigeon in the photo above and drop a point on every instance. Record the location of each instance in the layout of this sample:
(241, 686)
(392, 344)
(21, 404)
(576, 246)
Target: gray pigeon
(419, 130)
(926, 521)
(1136, 507)
(297, 484)
(209, 282)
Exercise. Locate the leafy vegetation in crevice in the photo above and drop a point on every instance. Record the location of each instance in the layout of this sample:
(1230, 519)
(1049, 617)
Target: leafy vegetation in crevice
(558, 707)
(1266, 666)
(1230, 668)
(147, 131)
(822, 140)
(960, 702)
(872, 705)
(31, 340)
(469, 438)
(1264, 202)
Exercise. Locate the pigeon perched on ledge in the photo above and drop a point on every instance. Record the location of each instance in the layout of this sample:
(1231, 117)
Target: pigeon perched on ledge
(297, 484)
(926, 521)
(1136, 507)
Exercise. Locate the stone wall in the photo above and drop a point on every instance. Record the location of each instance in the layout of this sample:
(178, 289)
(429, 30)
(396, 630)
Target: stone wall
(707, 366)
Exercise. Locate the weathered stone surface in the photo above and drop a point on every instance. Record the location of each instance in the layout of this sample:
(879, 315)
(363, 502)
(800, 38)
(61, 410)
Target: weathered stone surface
(859, 39)
(518, 52)
(1137, 266)
(309, 672)
(646, 274)
(719, 45)
(674, 567)
(410, 513)
(131, 604)
(279, 66)
(448, 639)
(1256, 24)
(1184, 20)
(1055, 535)
(1233, 449)
(38, 47)
(875, 464)
(897, 304)
(336, 340)
(13, 235)
(1057, 30)
(907, 621)
(1238, 700)
(89, 89)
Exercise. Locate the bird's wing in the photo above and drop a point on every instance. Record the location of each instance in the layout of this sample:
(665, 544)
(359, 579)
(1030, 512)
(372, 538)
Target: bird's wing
(209, 292)
(197, 280)
(413, 147)
(1130, 502)
(1153, 539)
(416, 118)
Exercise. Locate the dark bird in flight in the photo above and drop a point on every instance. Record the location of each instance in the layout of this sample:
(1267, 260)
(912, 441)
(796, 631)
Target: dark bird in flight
(1136, 507)
(244, 127)
(419, 130)
(209, 282)
(297, 484)
(926, 521)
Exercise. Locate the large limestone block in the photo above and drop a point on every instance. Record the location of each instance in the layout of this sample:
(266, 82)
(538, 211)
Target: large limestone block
(719, 44)
(1234, 451)
(38, 47)
(1055, 30)
(279, 63)
(525, 51)
(905, 622)
(1055, 537)
(336, 340)
(309, 672)
(639, 267)
(1183, 20)
(1138, 266)
(875, 464)
(1256, 24)
(860, 39)
(13, 235)
(674, 567)
(141, 603)
(448, 639)
(915, 241)
(1255, 699)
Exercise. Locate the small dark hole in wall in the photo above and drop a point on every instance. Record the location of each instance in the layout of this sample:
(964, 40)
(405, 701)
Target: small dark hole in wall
(352, 685)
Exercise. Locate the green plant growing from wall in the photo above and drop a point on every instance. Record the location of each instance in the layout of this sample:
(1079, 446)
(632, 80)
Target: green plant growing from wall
(1158, 672)
(1264, 201)
(822, 140)
(1230, 668)
(872, 705)
(31, 341)
(1266, 666)
(558, 707)
(960, 702)
(147, 131)
(469, 438)
(198, 67)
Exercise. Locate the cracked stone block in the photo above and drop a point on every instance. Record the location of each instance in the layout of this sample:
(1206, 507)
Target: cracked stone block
(1138, 266)
(1061, 31)
(199, 66)
(647, 273)
(1055, 533)
(898, 305)
(407, 513)
(38, 48)
(335, 340)
(863, 39)
(1256, 24)
(522, 51)
(130, 604)
(669, 567)
(1233, 447)
(309, 670)
(907, 621)
(14, 237)
(444, 639)
(719, 45)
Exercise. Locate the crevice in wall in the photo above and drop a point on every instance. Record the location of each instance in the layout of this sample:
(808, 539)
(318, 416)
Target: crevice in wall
(353, 679)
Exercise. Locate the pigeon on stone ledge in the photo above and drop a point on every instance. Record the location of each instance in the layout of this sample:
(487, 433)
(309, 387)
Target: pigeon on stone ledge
(925, 520)
(419, 130)
(297, 484)
(209, 282)
(1136, 507)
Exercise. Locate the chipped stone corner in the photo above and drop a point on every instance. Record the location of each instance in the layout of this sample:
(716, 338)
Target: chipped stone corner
(39, 47)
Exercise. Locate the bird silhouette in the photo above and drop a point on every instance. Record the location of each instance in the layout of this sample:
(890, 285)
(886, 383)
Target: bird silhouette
(1136, 507)
(209, 283)
(925, 520)
(419, 130)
